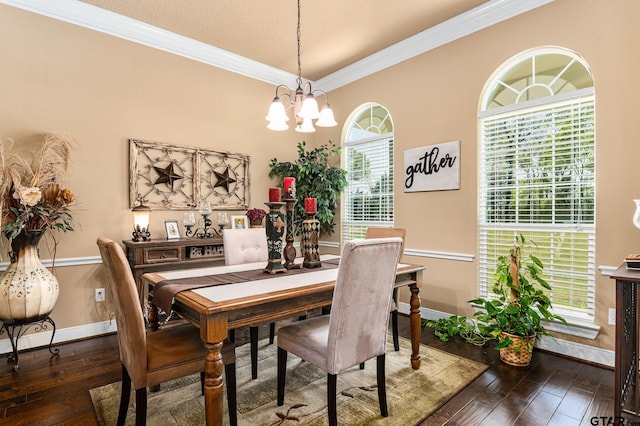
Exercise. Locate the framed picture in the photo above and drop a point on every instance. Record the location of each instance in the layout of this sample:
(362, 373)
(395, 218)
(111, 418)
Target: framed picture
(239, 222)
(173, 232)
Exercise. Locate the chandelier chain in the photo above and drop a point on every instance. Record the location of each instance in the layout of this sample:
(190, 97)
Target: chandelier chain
(299, 48)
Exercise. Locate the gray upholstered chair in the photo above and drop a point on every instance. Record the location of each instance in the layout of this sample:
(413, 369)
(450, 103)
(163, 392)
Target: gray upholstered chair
(375, 232)
(150, 359)
(247, 246)
(356, 328)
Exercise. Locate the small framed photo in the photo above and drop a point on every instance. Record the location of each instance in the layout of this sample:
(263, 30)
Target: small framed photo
(239, 222)
(173, 232)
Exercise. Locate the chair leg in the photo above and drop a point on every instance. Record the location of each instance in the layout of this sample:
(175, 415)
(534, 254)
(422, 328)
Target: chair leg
(202, 383)
(232, 336)
(394, 330)
(362, 366)
(125, 394)
(230, 376)
(253, 337)
(282, 373)
(272, 332)
(394, 321)
(332, 409)
(141, 406)
(382, 387)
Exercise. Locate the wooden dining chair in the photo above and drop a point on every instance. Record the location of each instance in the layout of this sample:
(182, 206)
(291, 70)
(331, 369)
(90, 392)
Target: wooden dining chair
(379, 232)
(356, 328)
(160, 356)
(248, 246)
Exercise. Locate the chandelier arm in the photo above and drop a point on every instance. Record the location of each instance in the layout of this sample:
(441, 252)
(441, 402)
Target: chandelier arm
(285, 87)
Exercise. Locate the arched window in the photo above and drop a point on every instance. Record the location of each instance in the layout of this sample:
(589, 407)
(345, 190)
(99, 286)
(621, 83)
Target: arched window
(537, 172)
(368, 158)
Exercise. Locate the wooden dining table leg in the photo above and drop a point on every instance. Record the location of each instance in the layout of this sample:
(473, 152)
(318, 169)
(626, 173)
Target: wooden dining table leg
(414, 322)
(213, 385)
(213, 331)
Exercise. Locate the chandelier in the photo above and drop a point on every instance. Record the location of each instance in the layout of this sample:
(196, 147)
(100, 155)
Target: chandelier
(305, 106)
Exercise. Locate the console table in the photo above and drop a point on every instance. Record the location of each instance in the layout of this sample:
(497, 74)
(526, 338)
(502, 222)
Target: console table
(626, 381)
(156, 255)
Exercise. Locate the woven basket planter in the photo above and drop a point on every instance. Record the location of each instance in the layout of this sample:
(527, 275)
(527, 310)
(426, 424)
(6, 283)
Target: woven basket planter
(519, 352)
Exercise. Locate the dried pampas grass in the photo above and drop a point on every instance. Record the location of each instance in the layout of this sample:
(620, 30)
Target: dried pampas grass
(48, 167)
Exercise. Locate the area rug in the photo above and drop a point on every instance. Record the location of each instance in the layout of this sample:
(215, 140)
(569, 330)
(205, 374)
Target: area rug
(411, 394)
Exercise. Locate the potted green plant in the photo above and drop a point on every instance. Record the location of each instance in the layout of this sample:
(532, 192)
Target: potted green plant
(513, 317)
(315, 177)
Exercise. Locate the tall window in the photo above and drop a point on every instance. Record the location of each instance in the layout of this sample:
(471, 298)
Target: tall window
(368, 159)
(537, 173)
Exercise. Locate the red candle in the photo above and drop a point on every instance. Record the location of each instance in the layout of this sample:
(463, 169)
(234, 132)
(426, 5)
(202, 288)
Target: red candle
(290, 187)
(274, 195)
(310, 205)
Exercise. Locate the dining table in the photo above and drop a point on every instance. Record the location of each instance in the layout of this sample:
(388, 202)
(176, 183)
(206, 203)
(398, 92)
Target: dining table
(222, 298)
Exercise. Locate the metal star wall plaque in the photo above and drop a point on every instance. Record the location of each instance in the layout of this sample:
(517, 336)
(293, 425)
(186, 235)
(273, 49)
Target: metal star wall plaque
(175, 177)
(167, 175)
(223, 179)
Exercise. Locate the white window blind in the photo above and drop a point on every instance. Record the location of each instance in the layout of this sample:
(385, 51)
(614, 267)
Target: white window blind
(368, 199)
(537, 177)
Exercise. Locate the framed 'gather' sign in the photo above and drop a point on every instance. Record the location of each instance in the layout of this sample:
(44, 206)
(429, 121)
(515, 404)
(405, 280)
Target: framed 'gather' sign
(432, 167)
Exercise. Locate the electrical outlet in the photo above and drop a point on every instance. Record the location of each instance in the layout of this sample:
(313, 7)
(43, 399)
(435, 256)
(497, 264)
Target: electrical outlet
(612, 316)
(99, 294)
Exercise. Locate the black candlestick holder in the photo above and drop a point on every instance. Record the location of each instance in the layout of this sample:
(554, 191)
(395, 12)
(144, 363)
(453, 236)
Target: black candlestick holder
(205, 232)
(289, 249)
(275, 227)
(310, 237)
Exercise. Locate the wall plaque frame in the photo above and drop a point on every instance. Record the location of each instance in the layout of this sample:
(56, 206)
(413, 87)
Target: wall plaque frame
(173, 177)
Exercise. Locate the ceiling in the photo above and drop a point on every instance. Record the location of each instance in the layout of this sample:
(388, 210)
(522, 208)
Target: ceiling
(342, 40)
(334, 33)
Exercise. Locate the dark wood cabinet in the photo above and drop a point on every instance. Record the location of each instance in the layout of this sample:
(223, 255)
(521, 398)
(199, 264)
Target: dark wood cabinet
(157, 255)
(627, 376)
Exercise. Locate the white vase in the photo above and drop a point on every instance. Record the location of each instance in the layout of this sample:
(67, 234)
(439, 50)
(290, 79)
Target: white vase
(28, 290)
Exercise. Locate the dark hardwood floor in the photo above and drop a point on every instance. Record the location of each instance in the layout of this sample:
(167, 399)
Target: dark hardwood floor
(50, 390)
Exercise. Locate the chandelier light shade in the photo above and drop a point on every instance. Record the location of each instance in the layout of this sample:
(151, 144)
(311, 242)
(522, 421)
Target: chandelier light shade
(303, 102)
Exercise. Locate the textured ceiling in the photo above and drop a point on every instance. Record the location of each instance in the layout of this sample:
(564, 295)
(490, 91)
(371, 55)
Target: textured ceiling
(334, 33)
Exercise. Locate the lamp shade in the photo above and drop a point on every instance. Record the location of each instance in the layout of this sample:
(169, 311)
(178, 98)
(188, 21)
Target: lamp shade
(309, 108)
(277, 125)
(141, 217)
(276, 111)
(306, 126)
(326, 117)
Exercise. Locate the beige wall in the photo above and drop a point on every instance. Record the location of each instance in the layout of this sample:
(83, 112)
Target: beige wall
(102, 91)
(434, 98)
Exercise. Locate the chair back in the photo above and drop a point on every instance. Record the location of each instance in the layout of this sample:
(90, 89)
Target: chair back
(129, 318)
(361, 301)
(245, 245)
(379, 232)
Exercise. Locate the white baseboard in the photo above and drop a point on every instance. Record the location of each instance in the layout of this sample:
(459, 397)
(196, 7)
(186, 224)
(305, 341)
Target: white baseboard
(580, 351)
(588, 353)
(38, 339)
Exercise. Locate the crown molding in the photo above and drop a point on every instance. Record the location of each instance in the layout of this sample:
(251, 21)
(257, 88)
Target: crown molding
(97, 19)
(483, 16)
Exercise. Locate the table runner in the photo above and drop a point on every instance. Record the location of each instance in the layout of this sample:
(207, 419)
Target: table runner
(165, 290)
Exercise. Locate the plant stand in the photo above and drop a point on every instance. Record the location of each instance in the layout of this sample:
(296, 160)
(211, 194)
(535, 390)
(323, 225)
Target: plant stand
(17, 328)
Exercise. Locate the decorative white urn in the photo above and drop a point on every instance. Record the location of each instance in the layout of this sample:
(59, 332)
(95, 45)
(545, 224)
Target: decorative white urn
(28, 290)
